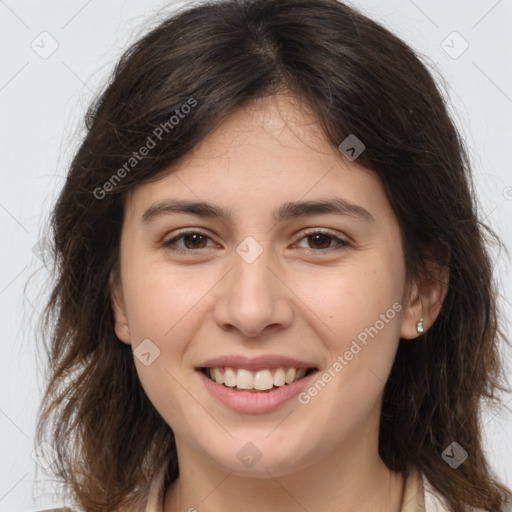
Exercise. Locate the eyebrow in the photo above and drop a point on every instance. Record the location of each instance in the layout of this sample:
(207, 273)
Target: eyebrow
(286, 211)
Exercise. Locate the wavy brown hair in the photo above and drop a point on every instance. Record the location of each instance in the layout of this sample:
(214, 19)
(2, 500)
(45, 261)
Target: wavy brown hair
(357, 78)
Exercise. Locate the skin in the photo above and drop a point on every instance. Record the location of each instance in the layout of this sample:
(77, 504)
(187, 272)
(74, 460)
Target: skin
(302, 297)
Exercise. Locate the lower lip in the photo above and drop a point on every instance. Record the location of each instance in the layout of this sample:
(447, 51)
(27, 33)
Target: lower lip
(259, 402)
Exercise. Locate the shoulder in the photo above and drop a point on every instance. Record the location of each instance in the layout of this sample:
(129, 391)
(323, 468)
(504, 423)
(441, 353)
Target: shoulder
(434, 502)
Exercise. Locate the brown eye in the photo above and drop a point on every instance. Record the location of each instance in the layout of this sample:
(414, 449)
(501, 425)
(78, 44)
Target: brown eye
(321, 241)
(195, 240)
(192, 240)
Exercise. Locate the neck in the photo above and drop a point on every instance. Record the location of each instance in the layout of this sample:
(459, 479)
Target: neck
(351, 478)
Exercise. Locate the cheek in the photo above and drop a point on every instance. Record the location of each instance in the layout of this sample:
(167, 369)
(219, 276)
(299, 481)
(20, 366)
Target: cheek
(161, 299)
(360, 305)
(363, 318)
(347, 300)
(163, 306)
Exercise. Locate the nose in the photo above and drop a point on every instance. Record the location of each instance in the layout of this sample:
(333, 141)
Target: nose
(253, 297)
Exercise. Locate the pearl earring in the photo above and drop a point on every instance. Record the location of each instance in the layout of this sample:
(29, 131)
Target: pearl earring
(419, 326)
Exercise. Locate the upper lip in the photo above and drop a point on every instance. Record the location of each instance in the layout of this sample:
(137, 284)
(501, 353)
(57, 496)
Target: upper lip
(256, 363)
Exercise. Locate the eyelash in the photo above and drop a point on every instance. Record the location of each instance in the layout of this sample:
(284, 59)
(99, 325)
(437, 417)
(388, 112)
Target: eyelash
(171, 244)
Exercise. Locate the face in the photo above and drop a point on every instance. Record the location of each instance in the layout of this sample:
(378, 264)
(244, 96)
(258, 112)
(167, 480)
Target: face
(271, 283)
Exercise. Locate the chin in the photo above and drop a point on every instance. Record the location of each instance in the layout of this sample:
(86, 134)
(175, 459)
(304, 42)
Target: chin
(254, 460)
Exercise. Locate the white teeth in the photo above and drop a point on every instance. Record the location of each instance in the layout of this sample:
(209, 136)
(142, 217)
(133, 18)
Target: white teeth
(290, 375)
(279, 377)
(217, 375)
(300, 373)
(260, 380)
(244, 379)
(229, 377)
(263, 380)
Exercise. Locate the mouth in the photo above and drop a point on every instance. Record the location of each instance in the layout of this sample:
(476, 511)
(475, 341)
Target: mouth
(263, 380)
(255, 385)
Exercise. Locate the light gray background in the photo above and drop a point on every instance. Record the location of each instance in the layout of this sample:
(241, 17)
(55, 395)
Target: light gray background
(42, 102)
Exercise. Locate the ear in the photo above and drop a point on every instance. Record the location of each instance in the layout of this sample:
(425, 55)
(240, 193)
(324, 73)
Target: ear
(121, 326)
(425, 298)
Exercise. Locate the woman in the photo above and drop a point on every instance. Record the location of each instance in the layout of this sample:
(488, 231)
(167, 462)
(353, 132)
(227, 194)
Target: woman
(273, 290)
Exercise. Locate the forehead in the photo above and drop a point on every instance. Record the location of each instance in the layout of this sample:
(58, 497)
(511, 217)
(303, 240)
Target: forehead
(270, 151)
(280, 124)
